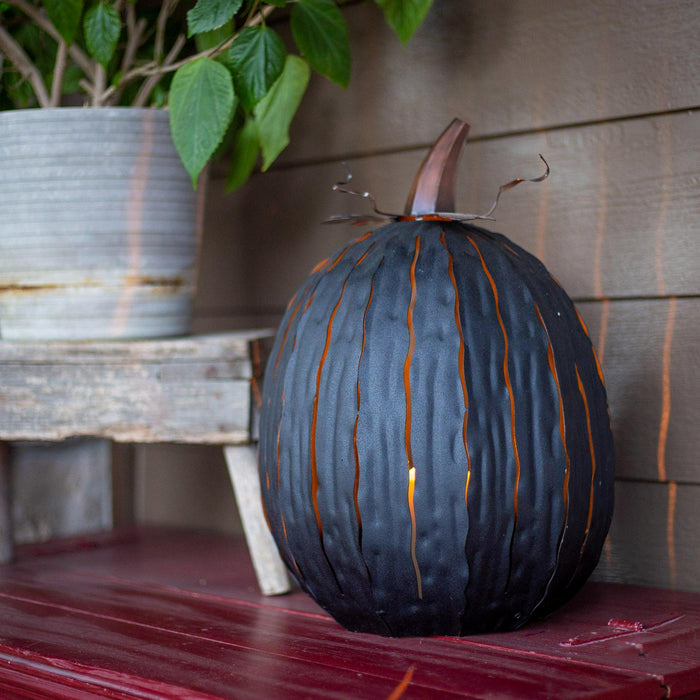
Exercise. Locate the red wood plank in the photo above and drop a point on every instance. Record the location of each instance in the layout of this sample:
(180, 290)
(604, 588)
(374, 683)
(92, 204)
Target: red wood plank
(438, 665)
(182, 610)
(661, 636)
(116, 655)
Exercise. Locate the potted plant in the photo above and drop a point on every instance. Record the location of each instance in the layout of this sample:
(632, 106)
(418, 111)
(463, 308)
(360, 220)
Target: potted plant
(117, 182)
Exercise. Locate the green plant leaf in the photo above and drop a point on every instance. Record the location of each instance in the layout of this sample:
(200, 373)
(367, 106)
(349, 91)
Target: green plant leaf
(211, 39)
(274, 113)
(244, 155)
(65, 16)
(102, 26)
(320, 32)
(210, 14)
(201, 109)
(256, 59)
(405, 16)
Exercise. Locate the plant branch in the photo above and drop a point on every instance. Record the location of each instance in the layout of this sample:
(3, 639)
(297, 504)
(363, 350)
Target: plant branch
(134, 33)
(59, 70)
(166, 10)
(24, 65)
(153, 80)
(251, 14)
(82, 60)
(153, 69)
(100, 85)
(96, 90)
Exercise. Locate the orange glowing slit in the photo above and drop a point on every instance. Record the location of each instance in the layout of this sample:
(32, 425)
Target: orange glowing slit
(319, 266)
(314, 421)
(580, 320)
(407, 389)
(265, 515)
(562, 423)
(462, 378)
(286, 539)
(308, 303)
(279, 430)
(284, 337)
(562, 432)
(509, 386)
(582, 391)
(356, 484)
(595, 355)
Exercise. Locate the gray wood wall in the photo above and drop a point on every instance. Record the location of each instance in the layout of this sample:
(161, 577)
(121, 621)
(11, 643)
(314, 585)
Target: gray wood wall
(609, 92)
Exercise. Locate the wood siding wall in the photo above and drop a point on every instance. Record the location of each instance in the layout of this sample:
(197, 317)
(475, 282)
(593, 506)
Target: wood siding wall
(609, 92)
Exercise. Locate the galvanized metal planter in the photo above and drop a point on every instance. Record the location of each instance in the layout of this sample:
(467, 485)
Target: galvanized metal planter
(99, 225)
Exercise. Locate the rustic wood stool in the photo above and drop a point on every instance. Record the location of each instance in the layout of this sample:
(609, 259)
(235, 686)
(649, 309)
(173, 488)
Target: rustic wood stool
(198, 389)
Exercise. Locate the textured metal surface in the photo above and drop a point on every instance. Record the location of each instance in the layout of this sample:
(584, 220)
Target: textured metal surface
(435, 448)
(98, 225)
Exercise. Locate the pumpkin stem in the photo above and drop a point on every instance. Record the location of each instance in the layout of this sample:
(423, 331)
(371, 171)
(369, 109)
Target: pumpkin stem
(433, 188)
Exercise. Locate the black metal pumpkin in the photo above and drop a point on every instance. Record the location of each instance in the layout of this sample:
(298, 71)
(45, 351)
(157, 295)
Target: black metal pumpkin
(435, 448)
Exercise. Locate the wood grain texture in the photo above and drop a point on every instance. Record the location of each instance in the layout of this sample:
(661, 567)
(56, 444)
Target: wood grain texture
(652, 371)
(617, 216)
(61, 489)
(653, 538)
(174, 614)
(504, 67)
(271, 573)
(182, 390)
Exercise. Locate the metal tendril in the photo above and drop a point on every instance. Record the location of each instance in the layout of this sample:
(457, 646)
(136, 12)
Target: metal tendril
(513, 183)
(386, 217)
(357, 218)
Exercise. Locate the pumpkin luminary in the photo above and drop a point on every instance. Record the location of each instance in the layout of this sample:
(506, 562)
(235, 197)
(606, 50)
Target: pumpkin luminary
(435, 448)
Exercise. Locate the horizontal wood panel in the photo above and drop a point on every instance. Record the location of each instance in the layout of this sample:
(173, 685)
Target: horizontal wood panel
(618, 216)
(230, 347)
(150, 391)
(127, 406)
(653, 539)
(649, 355)
(504, 67)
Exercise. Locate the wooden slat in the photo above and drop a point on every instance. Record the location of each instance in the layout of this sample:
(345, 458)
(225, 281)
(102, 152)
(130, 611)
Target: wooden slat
(150, 391)
(653, 539)
(92, 649)
(242, 462)
(617, 217)
(320, 649)
(144, 612)
(648, 353)
(231, 347)
(503, 67)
